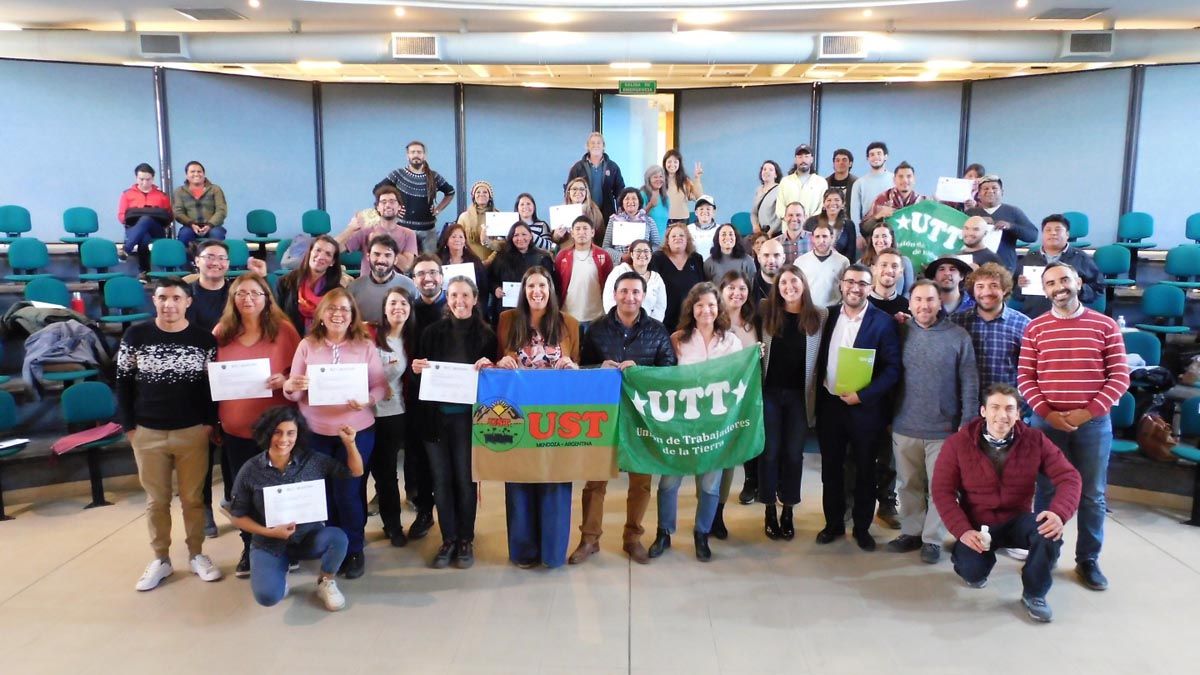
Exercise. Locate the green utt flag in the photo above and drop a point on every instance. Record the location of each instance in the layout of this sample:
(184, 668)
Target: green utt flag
(686, 420)
(927, 231)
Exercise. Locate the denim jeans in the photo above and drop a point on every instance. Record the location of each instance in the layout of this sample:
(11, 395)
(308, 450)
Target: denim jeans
(708, 488)
(1087, 448)
(453, 490)
(138, 237)
(346, 508)
(539, 522)
(268, 571)
(781, 464)
(187, 235)
(1020, 532)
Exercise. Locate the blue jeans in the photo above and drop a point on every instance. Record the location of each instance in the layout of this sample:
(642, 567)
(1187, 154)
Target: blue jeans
(139, 235)
(1020, 532)
(708, 489)
(539, 522)
(346, 508)
(780, 466)
(1087, 448)
(268, 571)
(187, 235)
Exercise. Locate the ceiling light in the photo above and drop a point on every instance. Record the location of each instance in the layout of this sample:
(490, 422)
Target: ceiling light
(867, 13)
(254, 4)
(398, 11)
(9, 26)
(536, 85)
(552, 17)
(1022, 4)
(943, 64)
(318, 65)
(702, 18)
(630, 65)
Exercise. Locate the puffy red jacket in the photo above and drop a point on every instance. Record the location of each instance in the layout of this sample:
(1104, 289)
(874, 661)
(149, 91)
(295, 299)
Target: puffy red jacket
(968, 493)
(133, 198)
(565, 262)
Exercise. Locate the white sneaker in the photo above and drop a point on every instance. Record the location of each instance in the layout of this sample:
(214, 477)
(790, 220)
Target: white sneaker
(155, 572)
(1016, 553)
(204, 568)
(328, 593)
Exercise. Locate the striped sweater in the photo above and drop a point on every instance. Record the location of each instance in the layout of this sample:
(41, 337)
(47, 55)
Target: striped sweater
(1071, 363)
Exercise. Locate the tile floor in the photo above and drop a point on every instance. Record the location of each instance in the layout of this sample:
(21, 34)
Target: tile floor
(67, 604)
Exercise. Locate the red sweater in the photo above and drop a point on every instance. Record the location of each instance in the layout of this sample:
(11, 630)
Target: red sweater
(565, 262)
(968, 493)
(133, 198)
(1066, 364)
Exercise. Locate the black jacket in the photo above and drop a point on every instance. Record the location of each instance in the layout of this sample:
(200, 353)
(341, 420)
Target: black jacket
(512, 265)
(648, 343)
(610, 188)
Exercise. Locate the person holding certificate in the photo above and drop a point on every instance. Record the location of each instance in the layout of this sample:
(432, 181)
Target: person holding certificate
(474, 220)
(462, 337)
(453, 250)
(791, 333)
(252, 327)
(630, 224)
(301, 289)
(287, 461)
(510, 264)
(339, 337)
(537, 335)
(543, 237)
(395, 338)
(578, 192)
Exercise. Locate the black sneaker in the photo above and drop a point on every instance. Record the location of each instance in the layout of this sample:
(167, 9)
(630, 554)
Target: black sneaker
(243, 567)
(718, 527)
(905, 543)
(421, 525)
(748, 494)
(354, 566)
(442, 559)
(1038, 609)
(464, 557)
(864, 540)
(397, 537)
(294, 565)
(1089, 573)
(931, 553)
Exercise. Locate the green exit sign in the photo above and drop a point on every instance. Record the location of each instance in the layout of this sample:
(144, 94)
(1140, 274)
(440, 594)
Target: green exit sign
(637, 87)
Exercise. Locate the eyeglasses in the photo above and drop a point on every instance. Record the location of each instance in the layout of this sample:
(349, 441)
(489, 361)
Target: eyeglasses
(641, 251)
(214, 258)
(426, 273)
(338, 310)
(577, 189)
(242, 295)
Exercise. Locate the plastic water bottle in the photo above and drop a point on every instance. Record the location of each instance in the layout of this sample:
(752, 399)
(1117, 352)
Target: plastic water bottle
(986, 537)
(77, 302)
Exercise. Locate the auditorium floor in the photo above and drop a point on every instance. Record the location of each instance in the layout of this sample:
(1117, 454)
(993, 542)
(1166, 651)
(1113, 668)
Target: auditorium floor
(67, 604)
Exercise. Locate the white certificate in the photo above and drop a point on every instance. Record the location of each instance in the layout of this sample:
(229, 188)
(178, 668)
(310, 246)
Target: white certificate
(1033, 274)
(460, 270)
(991, 240)
(564, 215)
(625, 233)
(449, 382)
(956, 190)
(298, 503)
(498, 223)
(512, 293)
(968, 259)
(337, 383)
(234, 380)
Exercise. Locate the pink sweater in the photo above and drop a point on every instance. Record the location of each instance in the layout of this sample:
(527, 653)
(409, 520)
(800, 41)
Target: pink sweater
(695, 350)
(327, 419)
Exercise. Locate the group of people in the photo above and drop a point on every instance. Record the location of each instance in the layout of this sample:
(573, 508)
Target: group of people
(933, 442)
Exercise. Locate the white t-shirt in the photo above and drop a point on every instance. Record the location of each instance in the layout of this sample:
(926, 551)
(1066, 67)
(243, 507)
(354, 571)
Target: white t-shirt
(703, 239)
(583, 294)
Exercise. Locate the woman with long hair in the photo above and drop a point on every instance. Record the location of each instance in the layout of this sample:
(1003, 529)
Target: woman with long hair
(537, 335)
(452, 248)
(791, 331)
(681, 189)
(882, 237)
(630, 214)
(251, 327)
(474, 220)
(703, 334)
(543, 238)
(655, 299)
(462, 337)
(338, 336)
(728, 255)
(735, 290)
(319, 272)
(763, 216)
(833, 214)
(578, 191)
(395, 340)
(519, 254)
(654, 197)
(680, 267)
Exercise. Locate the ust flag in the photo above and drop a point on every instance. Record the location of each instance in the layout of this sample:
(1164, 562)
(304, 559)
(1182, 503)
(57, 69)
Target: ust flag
(927, 231)
(687, 420)
(545, 426)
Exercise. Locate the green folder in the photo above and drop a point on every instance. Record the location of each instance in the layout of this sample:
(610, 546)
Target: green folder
(854, 368)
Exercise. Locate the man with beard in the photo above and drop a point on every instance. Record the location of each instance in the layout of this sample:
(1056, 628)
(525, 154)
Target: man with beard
(801, 185)
(770, 259)
(602, 174)
(841, 178)
(369, 290)
(1072, 371)
(973, 232)
(384, 220)
(902, 193)
(823, 267)
(887, 270)
(994, 327)
(948, 274)
(1056, 231)
(419, 185)
(866, 189)
(794, 238)
(1005, 217)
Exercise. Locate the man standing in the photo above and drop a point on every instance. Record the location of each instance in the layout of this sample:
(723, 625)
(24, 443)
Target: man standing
(168, 415)
(770, 259)
(1009, 219)
(428, 308)
(583, 269)
(145, 211)
(841, 178)
(876, 182)
(419, 186)
(1072, 371)
(994, 327)
(887, 270)
(1056, 232)
(794, 237)
(939, 391)
(369, 290)
(853, 421)
(973, 232)
(360, 232)
(602, 174)
(902, 193)
(948, 274)
(984, 478)
(625, 337)
(823, 267)
(801, 185)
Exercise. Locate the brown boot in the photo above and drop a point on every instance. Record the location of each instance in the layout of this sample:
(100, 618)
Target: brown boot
(637, 552)
(584, 551)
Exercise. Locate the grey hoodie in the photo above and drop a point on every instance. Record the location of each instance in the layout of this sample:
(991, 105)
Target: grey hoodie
(940, 387)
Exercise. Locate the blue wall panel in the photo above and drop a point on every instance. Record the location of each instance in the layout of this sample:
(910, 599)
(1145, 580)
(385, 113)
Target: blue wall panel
(733, 131)
(72, 135)
(367, 127)
(254, 137)
(1057, 141)
(1167, 151)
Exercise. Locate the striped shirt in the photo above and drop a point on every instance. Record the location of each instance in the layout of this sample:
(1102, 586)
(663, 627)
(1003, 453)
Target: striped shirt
(1074, 362)
(997, 343)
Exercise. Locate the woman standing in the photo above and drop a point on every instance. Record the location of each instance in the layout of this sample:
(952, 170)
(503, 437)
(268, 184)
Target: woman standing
(791, 328)
(728, 255)
(395, 339)
(537, 335)
(833, 214)
(453, 250)
(543, 238)
(510, 264)
(882, 238)
(680, 267)
(763, 216)
(654, 197)
(301, 289)
(681, 189)
(743, 323)
(474, 220)
(703, 334)
(578, 192)
(199, 206)
(461, 337)
(251, 327)
(633, 216)
(338, 336)
(655, 300)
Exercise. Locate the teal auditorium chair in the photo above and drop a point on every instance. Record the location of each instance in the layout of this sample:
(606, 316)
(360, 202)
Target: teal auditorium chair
(261, 224)
(282, 247)
(1189, 427)
(48, 289)
(171, 256)
(352, 261)
(1122, 417)
(239, 257)
(1164, 305)
(79, 222)
(124, 298)
(1113, 263)
(1192, 229)
(14, 221)
(90, 404)
(315, 222)
(1133, 229)
(742, 223)
(1183, 266)
(100, 256)
(8, 421)
(1100, 303)
(28, 258)
(1144, 345)
(1079, 229)
(273, 281)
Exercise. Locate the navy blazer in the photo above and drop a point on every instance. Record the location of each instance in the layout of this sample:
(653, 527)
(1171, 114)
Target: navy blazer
(881, 333)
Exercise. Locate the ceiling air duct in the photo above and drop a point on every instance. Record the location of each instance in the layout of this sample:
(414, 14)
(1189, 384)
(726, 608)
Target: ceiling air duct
(842, 46)
(162, 46)
(1087, 43)
(415, 46)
